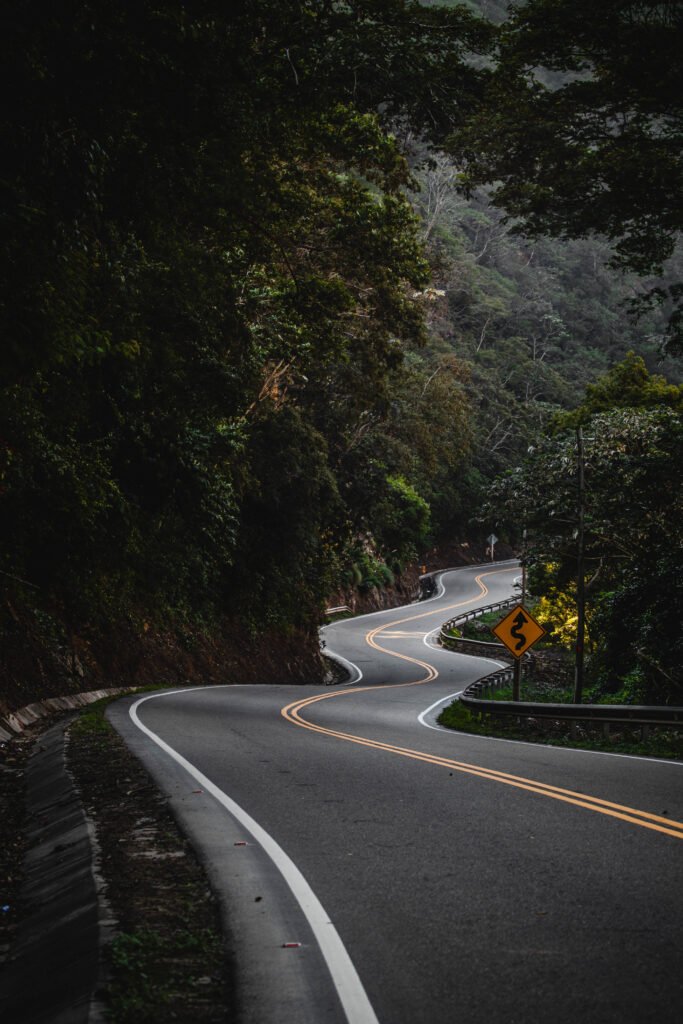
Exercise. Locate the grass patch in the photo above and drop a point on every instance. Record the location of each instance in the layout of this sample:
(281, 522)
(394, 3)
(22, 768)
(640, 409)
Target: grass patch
(92, 720)
(490, 619)
(539, 692)
(623, 740)
(479, 628)
(150, 971)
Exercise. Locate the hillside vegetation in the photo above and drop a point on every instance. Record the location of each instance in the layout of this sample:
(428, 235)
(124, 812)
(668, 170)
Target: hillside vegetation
(258, 343)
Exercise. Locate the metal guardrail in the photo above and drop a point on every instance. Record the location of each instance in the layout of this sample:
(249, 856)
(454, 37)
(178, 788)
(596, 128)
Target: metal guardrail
(468, 616)
(640, 715)
(476, 648)
(474, 697)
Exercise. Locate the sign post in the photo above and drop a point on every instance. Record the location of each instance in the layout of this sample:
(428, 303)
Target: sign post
(519, 631)
(491, 541)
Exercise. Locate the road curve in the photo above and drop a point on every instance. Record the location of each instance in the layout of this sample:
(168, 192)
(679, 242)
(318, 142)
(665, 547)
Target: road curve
(373, 867)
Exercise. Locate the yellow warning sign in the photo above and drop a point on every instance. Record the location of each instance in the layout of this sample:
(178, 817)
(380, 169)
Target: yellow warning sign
(518, 631)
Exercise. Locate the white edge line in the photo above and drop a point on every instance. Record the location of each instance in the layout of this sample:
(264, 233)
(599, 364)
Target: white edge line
(438, 574)
(502, 739)
(453, 696)
(525, 743)
(441, 590)
(350, 666)
(427, 636)
(349, 987)
(441, 700)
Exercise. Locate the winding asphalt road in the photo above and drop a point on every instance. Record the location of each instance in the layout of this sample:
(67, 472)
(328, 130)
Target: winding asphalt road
(373, 867)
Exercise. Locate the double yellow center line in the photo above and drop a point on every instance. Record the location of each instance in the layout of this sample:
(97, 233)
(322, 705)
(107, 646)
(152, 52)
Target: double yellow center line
(293, 713)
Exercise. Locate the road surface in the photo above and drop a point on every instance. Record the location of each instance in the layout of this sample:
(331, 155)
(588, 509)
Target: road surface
(373, 867)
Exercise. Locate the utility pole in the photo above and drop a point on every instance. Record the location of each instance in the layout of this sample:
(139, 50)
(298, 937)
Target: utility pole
(517, 667)
(580, 580)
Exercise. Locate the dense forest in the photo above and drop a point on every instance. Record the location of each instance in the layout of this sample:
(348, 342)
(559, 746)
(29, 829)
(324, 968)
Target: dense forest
(289, 287)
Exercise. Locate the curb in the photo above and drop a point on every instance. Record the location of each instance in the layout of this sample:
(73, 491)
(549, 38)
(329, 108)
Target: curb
(15, 722)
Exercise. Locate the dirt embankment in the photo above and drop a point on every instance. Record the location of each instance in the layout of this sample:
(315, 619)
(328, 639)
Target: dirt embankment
(35, 665)
(407, 587)
(40, 658)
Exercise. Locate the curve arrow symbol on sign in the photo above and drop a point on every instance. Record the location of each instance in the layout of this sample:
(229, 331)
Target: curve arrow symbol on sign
(516, 630)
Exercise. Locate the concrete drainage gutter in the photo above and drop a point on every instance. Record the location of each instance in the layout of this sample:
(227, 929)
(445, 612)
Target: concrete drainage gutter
(54, 971)
(55, 957)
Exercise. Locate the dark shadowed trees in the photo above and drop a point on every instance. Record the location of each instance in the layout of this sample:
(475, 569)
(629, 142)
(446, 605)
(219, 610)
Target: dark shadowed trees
(581, 127)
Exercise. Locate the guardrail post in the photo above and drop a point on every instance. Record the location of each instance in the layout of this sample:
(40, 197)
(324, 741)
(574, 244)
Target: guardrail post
(644, 732)
(606, 729)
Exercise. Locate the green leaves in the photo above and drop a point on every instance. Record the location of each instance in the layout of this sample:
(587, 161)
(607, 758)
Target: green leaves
(633, 508)
(208, 261)
(626, 385)
(580, 128)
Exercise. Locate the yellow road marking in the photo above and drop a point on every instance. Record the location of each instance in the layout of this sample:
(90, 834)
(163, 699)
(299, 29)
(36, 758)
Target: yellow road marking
(403, 635)
(292, 713)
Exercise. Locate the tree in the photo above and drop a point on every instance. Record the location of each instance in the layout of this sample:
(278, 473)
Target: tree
(580, 129)
(628, 385)
(186, 196)
(633, 505)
